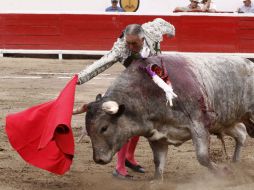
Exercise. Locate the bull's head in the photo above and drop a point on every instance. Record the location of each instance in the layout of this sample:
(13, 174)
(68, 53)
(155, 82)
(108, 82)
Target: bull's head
(107, 127)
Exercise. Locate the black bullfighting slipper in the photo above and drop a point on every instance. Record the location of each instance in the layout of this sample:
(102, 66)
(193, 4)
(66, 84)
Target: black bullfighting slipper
(120, 176)
(136, 168)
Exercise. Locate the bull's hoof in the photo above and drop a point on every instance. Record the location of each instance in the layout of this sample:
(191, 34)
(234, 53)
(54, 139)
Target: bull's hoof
(120, 176)
(135, 168)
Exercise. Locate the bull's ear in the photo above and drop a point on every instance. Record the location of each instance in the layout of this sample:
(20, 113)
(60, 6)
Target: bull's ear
(120, 110)
(98, 97)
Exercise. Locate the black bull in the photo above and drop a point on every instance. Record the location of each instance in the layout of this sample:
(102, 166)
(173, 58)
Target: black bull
(215, 96)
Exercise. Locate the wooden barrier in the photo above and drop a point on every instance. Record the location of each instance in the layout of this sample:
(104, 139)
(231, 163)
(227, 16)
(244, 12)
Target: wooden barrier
(194, 33)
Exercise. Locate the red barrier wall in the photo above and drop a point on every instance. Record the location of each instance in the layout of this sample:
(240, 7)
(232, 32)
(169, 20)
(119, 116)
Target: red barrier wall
(194, 33)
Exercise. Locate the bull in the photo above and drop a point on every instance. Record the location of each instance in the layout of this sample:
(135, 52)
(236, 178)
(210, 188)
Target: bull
(215, 96)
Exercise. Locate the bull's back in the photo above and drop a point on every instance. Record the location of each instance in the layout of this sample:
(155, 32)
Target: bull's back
(223, 84)
(227, 82)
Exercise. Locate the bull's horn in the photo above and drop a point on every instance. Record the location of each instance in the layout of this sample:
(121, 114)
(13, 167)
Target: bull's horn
(110, 107)
(80, 110)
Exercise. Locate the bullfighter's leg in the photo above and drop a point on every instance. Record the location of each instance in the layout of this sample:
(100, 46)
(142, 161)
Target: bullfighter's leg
(239, 133)
(121, 156)
(159, 154)
(130, 159)
(200, 138)
(131, 150)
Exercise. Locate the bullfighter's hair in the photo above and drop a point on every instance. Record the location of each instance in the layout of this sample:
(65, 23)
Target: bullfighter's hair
(134, 29)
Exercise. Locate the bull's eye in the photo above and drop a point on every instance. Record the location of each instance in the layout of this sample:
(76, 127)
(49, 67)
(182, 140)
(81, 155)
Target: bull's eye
(104, 129)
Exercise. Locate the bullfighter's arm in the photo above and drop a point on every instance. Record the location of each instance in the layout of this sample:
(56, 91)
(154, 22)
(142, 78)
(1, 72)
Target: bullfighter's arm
(157, 28)
(115, 54)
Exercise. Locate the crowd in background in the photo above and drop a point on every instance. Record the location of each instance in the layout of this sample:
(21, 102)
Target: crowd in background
(209, 6)
(197, 6)
(114, 7)
(194, 6)
(247, 7)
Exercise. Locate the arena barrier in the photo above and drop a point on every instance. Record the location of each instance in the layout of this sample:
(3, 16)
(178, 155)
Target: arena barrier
(95, 33)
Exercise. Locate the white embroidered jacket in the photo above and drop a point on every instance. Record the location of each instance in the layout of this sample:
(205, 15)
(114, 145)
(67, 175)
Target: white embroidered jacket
(154, 32)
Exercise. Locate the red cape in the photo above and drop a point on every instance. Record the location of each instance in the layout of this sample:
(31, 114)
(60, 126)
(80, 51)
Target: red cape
(42, 134)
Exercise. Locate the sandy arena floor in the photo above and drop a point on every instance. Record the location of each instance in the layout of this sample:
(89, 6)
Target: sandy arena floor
(26, 82)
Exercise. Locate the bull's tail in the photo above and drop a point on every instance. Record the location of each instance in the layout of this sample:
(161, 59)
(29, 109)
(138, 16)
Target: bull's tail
(221, 137)
(250, 129)
(248, 120)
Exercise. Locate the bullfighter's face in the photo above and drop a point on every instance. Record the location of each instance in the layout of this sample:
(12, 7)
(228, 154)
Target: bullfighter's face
(134, 43)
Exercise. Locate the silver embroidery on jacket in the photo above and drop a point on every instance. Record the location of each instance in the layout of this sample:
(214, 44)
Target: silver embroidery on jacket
(154, 32)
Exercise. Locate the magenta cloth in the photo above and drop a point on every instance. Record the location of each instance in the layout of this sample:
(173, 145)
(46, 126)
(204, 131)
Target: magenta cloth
(42, 134)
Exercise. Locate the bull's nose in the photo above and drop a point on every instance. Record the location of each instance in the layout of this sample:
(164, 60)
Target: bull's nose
(101, 159)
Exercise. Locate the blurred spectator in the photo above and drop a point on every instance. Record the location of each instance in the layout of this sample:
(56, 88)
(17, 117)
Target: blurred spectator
(247, 7)
(208, 6)
(192, 7)
(114, 7)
